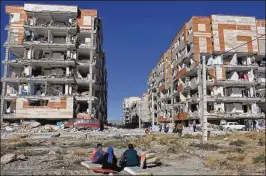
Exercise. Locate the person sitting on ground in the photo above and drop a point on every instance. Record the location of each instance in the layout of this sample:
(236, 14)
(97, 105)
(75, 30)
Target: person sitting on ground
(109, 160)
(130, 157)
(97, 155)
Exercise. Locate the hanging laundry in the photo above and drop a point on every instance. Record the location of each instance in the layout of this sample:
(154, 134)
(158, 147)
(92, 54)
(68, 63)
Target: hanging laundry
(245, 76)
(234, 60)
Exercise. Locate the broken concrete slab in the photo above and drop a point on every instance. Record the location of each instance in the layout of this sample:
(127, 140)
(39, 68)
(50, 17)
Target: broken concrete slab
(55, 135)
(21, 157)
(9, 129)
(8, 158)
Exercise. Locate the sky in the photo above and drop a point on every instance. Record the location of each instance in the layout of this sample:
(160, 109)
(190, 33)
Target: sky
(137, 33)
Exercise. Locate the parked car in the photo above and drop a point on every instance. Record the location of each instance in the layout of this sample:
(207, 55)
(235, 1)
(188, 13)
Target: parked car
(83, 123)
(232, 126)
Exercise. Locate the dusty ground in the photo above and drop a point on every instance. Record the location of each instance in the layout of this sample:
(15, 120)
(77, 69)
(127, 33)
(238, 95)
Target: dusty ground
(238, 153)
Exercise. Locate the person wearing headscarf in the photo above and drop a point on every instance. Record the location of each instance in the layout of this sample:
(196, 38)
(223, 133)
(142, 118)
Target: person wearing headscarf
(109, 160)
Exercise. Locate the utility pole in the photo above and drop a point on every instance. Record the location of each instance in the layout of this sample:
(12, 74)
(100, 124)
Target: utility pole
(204, 102)
(152, 111)
(139, 115)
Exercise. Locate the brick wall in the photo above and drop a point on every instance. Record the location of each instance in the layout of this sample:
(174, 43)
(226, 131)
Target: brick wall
(180, 73)
(83, 14)
(181, 116)
(59, 108)
(18, 25)
(260, 25)
(51, 104)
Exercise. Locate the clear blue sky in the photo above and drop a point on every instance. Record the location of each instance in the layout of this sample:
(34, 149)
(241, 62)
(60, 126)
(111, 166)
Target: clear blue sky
(136, 34)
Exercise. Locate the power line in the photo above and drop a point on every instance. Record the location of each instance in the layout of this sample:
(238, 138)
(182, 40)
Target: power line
(240, 45)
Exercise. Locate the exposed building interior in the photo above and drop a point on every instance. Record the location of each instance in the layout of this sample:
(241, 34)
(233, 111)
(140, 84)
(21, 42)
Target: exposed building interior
(54, 64)
(235, 76)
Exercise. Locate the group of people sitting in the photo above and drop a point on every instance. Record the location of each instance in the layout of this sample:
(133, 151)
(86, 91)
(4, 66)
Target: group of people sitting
(109, 161)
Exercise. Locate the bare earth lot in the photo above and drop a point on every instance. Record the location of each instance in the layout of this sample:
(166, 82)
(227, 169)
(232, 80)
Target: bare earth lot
(237, 153)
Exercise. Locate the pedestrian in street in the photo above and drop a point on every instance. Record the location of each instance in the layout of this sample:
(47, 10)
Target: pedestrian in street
(180, 128)
(194, 125)
(247, 125)
(254, 125)
(250, 125)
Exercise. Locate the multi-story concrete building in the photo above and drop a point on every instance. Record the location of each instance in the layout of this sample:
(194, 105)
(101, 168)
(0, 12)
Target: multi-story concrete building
(55, 64)
(128, 106)
(234, 47)
(135, 107)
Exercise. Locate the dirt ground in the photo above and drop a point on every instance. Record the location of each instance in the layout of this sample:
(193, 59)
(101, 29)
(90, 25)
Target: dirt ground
(238, 153)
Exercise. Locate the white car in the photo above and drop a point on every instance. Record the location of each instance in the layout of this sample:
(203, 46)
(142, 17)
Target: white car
(233, 126)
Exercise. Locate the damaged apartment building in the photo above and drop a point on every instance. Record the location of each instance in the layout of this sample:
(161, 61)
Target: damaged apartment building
(234, 47)
(54, 66)
(135, 108)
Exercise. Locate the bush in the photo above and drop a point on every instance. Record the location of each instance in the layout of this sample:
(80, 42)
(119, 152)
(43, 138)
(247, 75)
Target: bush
(259, 159)
(236, 157)
(238, 143)
(231, 150)
(206, 146)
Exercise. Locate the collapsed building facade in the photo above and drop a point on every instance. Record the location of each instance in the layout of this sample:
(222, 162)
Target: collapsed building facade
(135, 108)
(234, 47)
(55, 64)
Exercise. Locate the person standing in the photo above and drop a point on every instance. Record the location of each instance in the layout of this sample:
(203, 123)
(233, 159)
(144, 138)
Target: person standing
(180, 128)
(247, 125)
(194, 125)
(254, 125)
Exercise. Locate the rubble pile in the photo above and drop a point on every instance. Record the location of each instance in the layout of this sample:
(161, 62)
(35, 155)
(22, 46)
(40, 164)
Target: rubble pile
(36, 129)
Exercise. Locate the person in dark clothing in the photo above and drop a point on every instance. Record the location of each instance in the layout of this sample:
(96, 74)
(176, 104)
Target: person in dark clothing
(254, 125)
(194, 125)
(101, 125)
(109, 160)
(129, 157)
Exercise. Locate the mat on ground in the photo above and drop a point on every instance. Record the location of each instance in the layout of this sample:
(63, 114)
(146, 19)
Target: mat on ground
(89, 165)
(104, 171)
(136, 171)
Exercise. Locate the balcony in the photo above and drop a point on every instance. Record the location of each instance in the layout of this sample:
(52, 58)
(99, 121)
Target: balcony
(235, 83)
(180, 73)
(164, 119)
(180, 88)
(179, 60)
(162, 88)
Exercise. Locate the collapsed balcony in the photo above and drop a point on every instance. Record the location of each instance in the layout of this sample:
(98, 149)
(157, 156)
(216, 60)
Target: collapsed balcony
(84, 39)
(51, 20)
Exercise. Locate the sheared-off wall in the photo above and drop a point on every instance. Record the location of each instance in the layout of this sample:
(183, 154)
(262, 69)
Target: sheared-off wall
(167, 66)
(231, 31)
(85, 19)
(201, 35)
(260, 32)
(56, 108)
(17, 21)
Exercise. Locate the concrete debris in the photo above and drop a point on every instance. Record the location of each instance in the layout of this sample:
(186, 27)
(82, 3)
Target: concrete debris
(52, 152)
(34, 124)
(8, 158)
(21, 157)
(55, 135)
(35, 130)
(9, 129)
